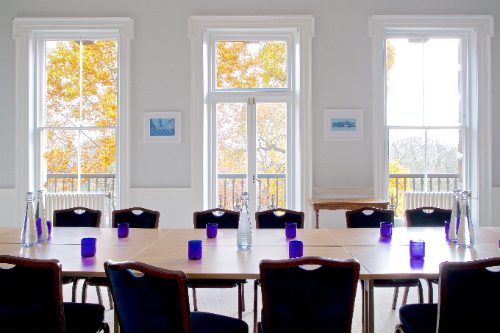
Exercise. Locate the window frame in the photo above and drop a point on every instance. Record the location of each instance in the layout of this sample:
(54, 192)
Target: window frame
(479, 29)
(200, 27)
(26, 32)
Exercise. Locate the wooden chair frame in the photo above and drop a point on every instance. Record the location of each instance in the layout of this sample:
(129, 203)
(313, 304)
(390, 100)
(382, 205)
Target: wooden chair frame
(378, 210)
(225, 211)
(54, 218)
(286, 211)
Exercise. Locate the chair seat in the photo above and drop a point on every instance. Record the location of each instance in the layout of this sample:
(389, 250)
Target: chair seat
(395, 283)
(213, 283)
(419, 318)
(212, 323)
(83, 318)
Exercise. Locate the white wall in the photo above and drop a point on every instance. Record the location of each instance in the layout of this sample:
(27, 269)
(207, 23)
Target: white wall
(161, 81)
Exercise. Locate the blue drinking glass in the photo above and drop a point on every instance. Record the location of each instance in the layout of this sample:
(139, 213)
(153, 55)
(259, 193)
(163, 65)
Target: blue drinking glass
(194, 249)
(88, 247)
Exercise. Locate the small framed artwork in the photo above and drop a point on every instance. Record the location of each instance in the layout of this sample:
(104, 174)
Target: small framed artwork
(343, 124)
(162, 127)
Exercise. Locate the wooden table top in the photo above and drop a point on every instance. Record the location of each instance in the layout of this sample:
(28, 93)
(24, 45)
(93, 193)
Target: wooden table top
(227, 237)
(227, 262)
(394, 262)
(402, 236)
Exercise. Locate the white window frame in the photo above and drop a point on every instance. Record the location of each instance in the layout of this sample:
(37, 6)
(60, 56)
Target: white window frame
(479, 30)
(200, 28)
(27, 33)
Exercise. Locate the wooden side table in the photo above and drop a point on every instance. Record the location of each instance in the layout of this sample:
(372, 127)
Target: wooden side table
(348, 204)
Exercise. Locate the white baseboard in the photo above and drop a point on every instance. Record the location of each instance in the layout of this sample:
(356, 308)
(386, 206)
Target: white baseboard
(9, 214)
(174, 204)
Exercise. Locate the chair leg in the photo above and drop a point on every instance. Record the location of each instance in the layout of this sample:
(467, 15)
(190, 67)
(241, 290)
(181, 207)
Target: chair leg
(99, 296)
(104, 328)
(240, 306)
(395, 298)
(194, 300)
(362, 305)
(110, 299)
(405, 296)
(420, 293)
(255, 295)
(84, 291)
(73, 291)
(430, 294)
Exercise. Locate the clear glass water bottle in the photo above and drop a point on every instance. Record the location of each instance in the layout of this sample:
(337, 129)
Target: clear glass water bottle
(41, 221)
(455, 216)
(465, 228)
(29, 235)
(244, 226)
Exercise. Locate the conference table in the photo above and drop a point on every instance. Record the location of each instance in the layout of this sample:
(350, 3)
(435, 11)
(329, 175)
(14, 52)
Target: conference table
(380, 257)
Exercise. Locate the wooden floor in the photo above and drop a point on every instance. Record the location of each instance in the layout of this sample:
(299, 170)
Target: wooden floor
(224, 301)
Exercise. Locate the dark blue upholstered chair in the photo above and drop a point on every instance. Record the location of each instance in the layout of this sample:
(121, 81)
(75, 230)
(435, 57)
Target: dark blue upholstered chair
(469, 296)
(158, 301)
(225, 219)
(31, 300)
(147, 219)
(144, 218)
(71, 218)
(273, 219)
(427, 217)
(296, 299)
(369, 217)
(276, 218)
(76, 217)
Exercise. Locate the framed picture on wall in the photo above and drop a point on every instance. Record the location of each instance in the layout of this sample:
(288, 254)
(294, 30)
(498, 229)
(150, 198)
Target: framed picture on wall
(343, 124)
(162, 127)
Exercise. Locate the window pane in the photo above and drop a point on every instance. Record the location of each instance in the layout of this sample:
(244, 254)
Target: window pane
(231, 153)
(441, 86)
(60, 160)
(404, 83)
(62, 97)
(99, 83)
(444, 159)
(271, 155)
(251, 64)
(98, 159)
(95, 93)
(423, 82)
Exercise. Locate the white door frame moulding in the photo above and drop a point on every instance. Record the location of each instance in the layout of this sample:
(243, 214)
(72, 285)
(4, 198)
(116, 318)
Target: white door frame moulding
(480, 30)
(25, 31)
(305, 26)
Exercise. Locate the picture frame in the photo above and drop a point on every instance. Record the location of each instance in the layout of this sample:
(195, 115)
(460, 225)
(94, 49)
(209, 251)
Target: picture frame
(162, 127)
(343, 124)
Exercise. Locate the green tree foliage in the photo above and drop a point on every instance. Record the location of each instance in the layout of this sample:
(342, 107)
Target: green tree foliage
(81, 96)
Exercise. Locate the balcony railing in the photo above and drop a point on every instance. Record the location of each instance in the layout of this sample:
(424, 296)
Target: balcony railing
(90, 182)
(271, 189)
(415, 182)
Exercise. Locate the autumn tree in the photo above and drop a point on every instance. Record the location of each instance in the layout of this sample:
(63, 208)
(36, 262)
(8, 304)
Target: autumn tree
(81, 91)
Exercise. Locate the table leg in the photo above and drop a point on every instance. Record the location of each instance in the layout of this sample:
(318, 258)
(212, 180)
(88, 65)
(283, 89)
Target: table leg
(317, 218)
(368, 317)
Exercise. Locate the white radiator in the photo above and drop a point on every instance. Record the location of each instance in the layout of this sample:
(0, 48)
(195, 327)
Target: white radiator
(431, 199)
(96, 201)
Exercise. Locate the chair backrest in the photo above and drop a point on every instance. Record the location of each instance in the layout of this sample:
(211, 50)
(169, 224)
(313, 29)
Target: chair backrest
(469, 295)
(147, 219)
(31, 296)
(368, 217)
(156, 301)
(295, 299)
(225, 219)
(270, 220)
(70, 218)
(420, 218)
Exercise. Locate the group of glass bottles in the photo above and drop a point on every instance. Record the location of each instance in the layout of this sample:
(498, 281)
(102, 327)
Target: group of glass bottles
(461, 229)
(35, 228)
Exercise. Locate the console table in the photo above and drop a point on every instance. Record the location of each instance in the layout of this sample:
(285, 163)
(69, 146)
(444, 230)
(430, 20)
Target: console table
(347, 204)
